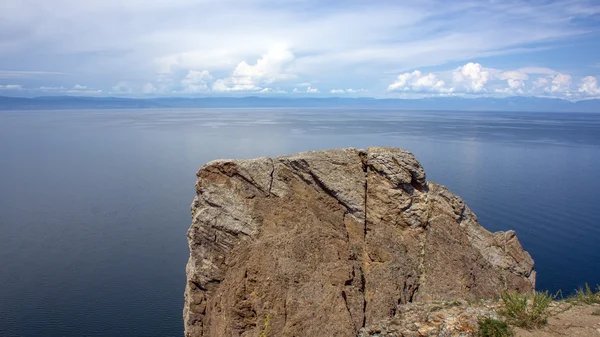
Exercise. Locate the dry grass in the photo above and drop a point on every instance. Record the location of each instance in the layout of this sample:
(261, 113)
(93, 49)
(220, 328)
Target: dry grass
(526, 310)
(266, 329)
(585, 295)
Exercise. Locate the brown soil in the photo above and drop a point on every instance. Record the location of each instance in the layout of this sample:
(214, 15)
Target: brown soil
(576, 321)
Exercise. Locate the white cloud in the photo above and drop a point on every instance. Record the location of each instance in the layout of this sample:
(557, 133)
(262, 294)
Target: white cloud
(122, 88)
(560, 83)
(589, 86)
(472, 76)
(309, 90)
(149, 88)
(515, 84)
(268, 69)
(196, 81)
(514, 75)
(349, 91)
(360, 40)
(47, 88)
(541, 82)
(11, 87)
(537, 71)
(28, 74)
(515, 87)
(79, 89)
(417, 82)
(272, 91)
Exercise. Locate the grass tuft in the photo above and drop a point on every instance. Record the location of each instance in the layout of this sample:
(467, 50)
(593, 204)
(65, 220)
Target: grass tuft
(490, 327)
(526, 310)
(585, 295)
(266, 329)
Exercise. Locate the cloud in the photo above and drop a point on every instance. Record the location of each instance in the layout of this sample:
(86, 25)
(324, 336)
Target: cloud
(541, 82)
(11, 87)
(355, 45)
(196, 81)
(122, 88)
(417, 82)
(28, 74)
(272, 91)
(514, 75)
(77, 89)
(49, 89)
(561, 83)
(347, 91)
(149, 88)
(537, 71)
(472, 76)
(589, 86)
(268, 69)
(515, 87)
(309, 90)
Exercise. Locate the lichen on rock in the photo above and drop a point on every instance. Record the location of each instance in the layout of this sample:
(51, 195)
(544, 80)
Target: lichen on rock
(327, 243)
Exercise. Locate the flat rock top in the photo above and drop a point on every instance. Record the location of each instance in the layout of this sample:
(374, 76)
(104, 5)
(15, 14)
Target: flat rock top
(329, 242)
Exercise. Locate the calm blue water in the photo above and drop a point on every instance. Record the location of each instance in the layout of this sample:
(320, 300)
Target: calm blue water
(94, 205)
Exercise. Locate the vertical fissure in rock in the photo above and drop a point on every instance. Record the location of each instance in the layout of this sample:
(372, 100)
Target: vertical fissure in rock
(421, 276)
(284, 311)
(271, 175)
(365, 166)
(347, 234)
(363, 291)
(345, 297)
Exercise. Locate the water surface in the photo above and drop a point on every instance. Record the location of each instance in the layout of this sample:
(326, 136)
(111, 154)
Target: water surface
(94, 205)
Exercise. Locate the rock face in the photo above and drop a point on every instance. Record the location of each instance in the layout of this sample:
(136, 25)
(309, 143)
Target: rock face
(328, 242)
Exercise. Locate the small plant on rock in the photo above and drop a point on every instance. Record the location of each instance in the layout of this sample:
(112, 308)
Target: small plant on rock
(266, 329)
(585, 295)
(526, 310)
(490, 327)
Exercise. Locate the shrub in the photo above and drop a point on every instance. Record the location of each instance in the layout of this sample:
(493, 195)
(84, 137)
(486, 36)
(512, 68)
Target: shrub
(489, 327)
(526, 310)
(585, 295)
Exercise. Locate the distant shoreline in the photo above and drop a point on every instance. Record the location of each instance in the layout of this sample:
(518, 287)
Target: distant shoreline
(509, 104)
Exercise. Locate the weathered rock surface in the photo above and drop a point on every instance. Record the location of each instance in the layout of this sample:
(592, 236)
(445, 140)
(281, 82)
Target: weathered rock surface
(327, 243)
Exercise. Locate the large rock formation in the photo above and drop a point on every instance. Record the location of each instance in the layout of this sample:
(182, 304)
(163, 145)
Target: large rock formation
(324, 243)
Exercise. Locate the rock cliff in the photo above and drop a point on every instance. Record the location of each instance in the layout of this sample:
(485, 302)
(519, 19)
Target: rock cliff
(325, 243)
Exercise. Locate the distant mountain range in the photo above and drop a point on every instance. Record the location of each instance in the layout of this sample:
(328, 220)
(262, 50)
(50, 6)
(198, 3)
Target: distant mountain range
(434, 103)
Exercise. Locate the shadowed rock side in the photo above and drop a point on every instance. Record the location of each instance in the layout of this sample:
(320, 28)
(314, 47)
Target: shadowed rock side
(325, 243)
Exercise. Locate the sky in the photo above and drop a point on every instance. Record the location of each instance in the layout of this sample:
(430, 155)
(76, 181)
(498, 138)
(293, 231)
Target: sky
(300, 48)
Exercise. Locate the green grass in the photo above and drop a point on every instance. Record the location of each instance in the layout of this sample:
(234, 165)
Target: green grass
(585, 295)
(526, 310)
(490, 327)
(266, 329)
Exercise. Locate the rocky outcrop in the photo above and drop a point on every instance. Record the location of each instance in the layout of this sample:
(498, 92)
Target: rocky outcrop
(327, 243)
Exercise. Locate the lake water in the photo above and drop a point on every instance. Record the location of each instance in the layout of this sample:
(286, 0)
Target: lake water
(94, 205)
